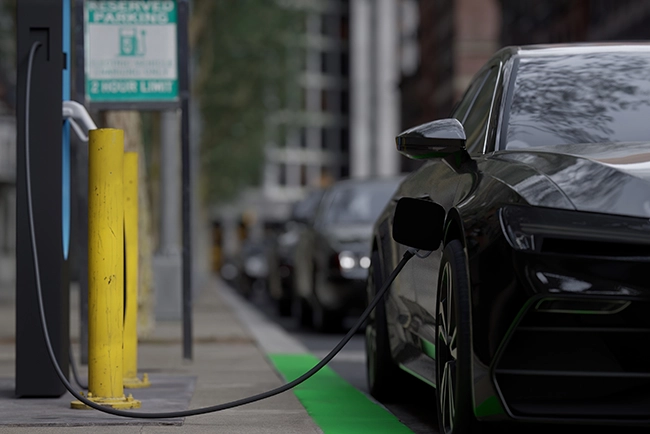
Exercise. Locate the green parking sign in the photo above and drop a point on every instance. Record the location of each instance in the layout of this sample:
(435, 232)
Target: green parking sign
(130, 51)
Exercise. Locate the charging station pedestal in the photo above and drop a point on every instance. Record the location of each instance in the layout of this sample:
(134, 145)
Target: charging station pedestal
(41, 20)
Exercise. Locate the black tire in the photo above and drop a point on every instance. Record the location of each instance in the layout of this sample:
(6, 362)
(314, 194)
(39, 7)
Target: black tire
(454, 355)
(327, 321)
(285, 306)
(303, 311)
(385, 378)
(324, 320)
(245, 287)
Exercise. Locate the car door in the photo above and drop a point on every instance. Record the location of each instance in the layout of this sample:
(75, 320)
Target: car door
(438, 182)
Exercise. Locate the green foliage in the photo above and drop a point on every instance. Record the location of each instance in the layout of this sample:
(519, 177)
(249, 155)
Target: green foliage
(7, 49)
(242, 71)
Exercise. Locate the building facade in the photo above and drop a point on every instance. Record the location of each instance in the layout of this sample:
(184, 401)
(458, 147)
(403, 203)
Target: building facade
(561, 21)
(455, 38)
(308, 139)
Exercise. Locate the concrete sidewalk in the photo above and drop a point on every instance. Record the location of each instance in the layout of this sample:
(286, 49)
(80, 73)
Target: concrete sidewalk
(228, 364)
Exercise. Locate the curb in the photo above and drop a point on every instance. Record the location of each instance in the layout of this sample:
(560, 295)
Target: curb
(333, 404)
(271, 338)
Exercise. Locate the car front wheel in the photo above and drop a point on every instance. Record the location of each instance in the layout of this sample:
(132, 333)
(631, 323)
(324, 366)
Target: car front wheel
(453, 346)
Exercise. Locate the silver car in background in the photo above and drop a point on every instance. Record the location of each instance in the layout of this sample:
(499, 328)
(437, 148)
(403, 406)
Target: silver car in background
(332, 256)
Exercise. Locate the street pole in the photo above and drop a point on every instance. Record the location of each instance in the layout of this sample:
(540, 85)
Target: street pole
(81, 189)
(361, 123)
(387, 91)
(184, 91)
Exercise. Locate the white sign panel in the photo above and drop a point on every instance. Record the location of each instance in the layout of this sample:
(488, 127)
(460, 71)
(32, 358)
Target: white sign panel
(131, 53)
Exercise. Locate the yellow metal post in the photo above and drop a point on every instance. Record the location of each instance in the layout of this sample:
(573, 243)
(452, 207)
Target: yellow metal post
(131, 380)
(106, 270)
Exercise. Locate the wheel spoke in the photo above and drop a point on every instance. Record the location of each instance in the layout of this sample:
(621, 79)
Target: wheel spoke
(453, 348)
(442, 326)
(443, 308)
(447, 404)
(443, 394)
(452, 402)
(449, 303)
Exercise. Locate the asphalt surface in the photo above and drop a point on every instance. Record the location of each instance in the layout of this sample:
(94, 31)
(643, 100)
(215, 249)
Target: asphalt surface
(417, 411)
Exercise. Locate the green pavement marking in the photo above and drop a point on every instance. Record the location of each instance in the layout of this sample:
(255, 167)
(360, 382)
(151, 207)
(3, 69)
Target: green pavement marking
(489, 407)
(335, 405)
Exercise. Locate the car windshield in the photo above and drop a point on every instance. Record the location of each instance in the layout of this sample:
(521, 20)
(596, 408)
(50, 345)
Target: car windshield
(304, 210)
(361, 203)
(582, 98)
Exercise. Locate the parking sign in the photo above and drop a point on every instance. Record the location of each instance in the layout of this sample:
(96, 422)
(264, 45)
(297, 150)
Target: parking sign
(131, 51)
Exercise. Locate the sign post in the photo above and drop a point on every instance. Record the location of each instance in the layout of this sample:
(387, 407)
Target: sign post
(183, 49)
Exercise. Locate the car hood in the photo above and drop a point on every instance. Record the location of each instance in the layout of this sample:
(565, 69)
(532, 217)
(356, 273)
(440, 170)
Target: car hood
(612, 178)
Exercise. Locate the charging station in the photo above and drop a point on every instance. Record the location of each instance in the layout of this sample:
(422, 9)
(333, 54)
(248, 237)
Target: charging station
(43, 226)
(41, 21)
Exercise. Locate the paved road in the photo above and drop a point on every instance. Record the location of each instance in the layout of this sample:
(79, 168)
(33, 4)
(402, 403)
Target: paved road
(417, 413)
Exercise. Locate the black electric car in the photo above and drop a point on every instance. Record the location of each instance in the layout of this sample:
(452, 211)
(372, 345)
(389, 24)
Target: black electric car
(530, 298)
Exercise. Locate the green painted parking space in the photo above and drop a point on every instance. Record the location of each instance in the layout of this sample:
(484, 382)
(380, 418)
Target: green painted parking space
(334, 404)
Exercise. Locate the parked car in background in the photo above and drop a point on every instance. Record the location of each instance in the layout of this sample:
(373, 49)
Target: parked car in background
(253, 267)
(282, 253)
(529, 299)
(332, 255)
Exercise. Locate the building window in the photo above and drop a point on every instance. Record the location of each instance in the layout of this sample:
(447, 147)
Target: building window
(344, 30)
(345, 64)
(303, 137)
(303, 175)
(345, 140)
(345, 102)
(345, 170)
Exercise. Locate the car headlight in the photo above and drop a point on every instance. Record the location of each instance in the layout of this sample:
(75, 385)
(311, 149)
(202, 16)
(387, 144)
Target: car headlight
(364, 262)
(256, 267)
(547, 230)
(347, 260)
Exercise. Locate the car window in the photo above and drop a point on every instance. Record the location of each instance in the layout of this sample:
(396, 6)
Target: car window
(306, 208)
(357, 203)
(460, 112)
(477, 118)
(580, 98)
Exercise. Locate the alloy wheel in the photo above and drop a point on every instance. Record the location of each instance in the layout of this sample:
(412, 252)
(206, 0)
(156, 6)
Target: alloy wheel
(447, 350)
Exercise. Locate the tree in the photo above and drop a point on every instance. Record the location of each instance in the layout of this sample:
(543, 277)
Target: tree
(7, 52)
(241, 48)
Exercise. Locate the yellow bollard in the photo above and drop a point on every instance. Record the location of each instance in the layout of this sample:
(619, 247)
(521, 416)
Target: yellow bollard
(131, 380)
(106, 270)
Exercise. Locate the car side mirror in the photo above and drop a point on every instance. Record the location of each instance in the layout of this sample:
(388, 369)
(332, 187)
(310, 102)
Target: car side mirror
(418, 223)
(437, 139)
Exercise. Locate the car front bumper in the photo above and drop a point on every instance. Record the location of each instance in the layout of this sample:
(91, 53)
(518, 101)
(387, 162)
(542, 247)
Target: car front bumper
(573, 322)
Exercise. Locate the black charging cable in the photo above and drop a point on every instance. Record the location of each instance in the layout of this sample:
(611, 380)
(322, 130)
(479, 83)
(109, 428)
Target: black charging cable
(183, 413)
